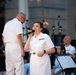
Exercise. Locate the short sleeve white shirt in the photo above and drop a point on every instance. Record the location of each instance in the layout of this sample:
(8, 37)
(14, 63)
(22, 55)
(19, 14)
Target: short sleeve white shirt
(42, 42)
(11, 30)
(70, 49)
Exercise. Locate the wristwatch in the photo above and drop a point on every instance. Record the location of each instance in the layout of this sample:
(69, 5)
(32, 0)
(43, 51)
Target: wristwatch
(44, 51)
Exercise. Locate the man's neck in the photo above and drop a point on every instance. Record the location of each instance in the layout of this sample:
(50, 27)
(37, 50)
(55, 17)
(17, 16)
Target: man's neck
(67, 44)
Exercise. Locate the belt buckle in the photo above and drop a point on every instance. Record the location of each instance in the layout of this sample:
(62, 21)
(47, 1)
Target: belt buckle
(34, 53)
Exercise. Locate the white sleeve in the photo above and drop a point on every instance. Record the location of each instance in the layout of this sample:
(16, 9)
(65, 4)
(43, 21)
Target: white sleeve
(19, 29)
(72, 51)
(49, 42)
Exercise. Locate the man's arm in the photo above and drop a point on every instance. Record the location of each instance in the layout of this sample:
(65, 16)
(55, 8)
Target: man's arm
(19, 37)
(3, 40)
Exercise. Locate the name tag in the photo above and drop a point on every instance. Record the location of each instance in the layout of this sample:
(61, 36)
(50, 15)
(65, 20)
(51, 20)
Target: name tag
(41, 39)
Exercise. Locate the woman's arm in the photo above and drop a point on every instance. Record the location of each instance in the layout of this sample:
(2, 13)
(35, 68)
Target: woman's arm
(26, 46)
(50, 51)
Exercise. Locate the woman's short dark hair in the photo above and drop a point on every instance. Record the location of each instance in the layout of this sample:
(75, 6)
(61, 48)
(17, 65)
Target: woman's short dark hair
(63, 48)
(40, 23)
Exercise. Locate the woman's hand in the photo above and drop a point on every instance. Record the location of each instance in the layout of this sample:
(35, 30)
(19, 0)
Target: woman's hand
(29, 35)
(40, 53)
(26, 46)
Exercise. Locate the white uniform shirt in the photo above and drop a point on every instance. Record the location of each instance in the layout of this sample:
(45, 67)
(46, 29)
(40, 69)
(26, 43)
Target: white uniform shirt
(70, 49)
(12, 28)
(42, 42)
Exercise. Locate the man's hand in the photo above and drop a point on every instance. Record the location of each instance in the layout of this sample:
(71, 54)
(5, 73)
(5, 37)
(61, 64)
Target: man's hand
(22, 53)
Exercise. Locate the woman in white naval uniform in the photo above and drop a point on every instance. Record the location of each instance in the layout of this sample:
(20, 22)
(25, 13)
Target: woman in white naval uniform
(40, 45)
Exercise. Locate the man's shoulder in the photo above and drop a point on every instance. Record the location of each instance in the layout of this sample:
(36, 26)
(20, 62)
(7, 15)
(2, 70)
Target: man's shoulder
(8, 22)
(15, 21)
(72, 47)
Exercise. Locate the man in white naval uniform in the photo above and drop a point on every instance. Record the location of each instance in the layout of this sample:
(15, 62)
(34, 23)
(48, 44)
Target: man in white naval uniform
(70, 50)
(12, 39)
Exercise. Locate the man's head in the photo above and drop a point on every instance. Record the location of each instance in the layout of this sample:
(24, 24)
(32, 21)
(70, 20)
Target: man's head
(67, 40)
(21, 17)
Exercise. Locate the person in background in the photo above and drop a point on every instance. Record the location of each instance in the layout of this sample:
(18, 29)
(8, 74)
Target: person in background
(40, 45)
(70, 50)
(57, 70)
(45, 28)
(46, 31)
(27, 68)
(12, 39)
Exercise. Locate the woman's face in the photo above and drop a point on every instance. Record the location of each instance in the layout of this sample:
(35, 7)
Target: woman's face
(58, 49)
(37, 27)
